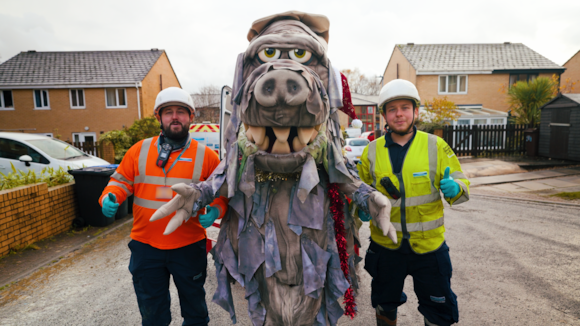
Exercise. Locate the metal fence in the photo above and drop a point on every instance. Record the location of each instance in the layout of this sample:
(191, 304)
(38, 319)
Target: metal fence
(485, 140)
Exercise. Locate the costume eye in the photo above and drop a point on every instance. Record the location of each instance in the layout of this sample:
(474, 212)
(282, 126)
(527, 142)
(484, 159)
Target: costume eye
(300, 55)
(269, 54)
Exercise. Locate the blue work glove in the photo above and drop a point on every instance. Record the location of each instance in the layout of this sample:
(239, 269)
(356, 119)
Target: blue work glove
(449, 187)
(110, 205)
(212, 213)
(363, 216)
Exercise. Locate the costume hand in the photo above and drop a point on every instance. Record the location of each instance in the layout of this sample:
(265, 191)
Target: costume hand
(181, 204)
(110, 205)
(380, 209)
(212, 213)
(449, 186)
(363, 216)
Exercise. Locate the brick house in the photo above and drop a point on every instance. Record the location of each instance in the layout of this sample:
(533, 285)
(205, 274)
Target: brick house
(572, 71)
(78, 95)
(470, 75)
(207, 108)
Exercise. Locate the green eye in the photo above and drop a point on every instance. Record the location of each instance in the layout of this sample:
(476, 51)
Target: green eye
(300, 55)
(269, 54)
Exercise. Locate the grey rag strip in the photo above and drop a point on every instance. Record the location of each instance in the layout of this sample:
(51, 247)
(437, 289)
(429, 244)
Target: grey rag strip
(251, 252)
(248, 182)
(209, 189)
(337, 171)
(223, 293)
(295, 228)
(272, 262)
(309, 213)
(232, 165)
(333, 91)
(308, 178)
(351, 167)
(228, 256)
(256, 309)
(260, 200)
(361, 197)
(336, 283)
(314, 264)
(321, 319)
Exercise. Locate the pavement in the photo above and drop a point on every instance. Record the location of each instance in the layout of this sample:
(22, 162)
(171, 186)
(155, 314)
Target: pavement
(503, 177)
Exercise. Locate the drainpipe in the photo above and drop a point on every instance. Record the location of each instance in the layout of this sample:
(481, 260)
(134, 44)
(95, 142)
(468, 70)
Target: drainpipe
(138, 99)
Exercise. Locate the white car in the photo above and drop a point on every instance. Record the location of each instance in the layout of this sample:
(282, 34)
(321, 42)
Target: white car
(354, 148)
(35, 152)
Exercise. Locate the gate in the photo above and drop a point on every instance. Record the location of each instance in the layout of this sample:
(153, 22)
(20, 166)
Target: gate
(485, 140)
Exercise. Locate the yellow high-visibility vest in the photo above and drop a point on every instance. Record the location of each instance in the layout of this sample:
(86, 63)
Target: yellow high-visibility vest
(418, 214)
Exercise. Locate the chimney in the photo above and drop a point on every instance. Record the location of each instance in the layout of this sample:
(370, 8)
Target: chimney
(507, 43)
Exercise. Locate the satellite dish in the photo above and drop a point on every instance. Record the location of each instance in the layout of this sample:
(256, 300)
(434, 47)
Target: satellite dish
(356, 123)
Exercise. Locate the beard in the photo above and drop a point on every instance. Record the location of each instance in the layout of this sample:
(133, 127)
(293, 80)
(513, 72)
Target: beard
(179, 134)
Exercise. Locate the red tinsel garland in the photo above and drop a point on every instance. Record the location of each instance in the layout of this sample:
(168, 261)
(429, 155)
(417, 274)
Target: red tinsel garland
(337, 210)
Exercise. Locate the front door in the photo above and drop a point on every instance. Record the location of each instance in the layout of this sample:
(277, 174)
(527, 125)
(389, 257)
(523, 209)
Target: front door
(85, 141)
(559, 133)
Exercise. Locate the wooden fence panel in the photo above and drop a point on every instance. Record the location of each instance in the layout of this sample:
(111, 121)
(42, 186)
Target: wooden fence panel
(485, 140)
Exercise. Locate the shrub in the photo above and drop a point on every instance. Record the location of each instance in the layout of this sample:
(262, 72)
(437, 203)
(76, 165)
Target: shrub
(52, 177)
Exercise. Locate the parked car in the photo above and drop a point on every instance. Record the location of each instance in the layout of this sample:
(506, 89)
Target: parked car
(370, 135)
(35, 152)
(354, 148)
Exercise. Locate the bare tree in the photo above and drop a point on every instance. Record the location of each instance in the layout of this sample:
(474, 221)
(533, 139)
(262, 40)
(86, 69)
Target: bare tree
(207, 96)
(362, 84)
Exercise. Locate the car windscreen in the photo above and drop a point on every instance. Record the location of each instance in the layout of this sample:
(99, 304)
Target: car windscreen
(56, 149)
(358, 142)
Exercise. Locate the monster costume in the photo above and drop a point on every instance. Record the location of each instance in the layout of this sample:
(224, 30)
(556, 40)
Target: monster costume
(287, 180)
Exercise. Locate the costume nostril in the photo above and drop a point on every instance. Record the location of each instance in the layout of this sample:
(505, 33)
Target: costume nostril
(268, 87)
(293, 87)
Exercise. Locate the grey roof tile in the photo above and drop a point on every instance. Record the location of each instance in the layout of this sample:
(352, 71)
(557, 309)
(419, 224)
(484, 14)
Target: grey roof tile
(78, 68)
(474, 57)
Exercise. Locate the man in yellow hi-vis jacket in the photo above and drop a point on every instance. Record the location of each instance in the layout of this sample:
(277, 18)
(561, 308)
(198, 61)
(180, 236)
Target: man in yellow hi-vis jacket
(411, 168)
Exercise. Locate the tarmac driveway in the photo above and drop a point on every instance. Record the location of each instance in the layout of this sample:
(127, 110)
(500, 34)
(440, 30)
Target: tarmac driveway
(515, 263)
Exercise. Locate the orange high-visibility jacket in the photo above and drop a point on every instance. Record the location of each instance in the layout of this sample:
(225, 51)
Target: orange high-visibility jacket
(139, 175)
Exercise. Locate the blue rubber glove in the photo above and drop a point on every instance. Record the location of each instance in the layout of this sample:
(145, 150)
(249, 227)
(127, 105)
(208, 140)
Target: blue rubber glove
(449, 187)
(212, 213)
(363, 216)
(110, 205)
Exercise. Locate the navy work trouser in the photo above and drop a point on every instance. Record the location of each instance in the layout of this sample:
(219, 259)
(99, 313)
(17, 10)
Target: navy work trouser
(431, 280)
(151, 268)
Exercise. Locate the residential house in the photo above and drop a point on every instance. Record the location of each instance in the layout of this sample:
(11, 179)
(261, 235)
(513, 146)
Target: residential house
(473, 76)
(75, 96)
(572, 72)
(366, 109)
(207, 108)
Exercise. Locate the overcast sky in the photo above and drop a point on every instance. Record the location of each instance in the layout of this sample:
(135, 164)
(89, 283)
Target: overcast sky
(203, 38)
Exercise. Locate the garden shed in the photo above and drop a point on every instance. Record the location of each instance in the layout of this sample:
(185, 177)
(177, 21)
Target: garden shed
(560, 128)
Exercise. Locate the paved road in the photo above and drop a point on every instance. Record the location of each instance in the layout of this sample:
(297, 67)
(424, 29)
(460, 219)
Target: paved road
(515, 263)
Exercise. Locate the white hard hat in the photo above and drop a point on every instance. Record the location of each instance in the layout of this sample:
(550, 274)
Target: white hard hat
(398, 89)
(173, 96)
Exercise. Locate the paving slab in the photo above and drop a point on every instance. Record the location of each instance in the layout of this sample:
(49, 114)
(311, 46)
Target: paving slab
(534, 185)
(558, 183)
(507, 187)
(498, 179)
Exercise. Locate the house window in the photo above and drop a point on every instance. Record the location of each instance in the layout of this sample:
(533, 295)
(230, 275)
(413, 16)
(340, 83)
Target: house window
(463, 122)
(514, 78)
(77, 99)
(369, 109)
(116, 97)
(453, 84)
(497, 121)
(479, 121)
(41, 99)
(6, 102)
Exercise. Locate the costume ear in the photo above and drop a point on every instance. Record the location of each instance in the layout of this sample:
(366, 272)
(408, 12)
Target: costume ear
(238, 78)
(334, 88)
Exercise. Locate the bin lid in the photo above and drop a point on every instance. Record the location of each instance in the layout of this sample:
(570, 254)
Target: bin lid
(94, 170)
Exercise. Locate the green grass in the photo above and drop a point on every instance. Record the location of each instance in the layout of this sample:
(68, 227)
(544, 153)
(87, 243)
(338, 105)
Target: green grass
(568, 195)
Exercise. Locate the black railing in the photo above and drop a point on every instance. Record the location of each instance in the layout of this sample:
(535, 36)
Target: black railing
(485, 140)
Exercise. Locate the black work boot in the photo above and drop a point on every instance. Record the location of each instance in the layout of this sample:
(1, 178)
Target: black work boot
(386, 318)
(428, 323)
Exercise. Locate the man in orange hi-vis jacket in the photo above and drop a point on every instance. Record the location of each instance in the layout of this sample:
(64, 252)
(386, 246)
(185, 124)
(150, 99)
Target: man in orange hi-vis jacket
(148, 171)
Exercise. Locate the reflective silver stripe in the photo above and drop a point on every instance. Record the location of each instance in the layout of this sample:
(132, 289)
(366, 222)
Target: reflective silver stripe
(458, 175)
(416, 201)
(143, 156)
(372, 156)
(120, 185)
(145, 203)
(465, 196)
(120, 177)
(420, 226)
(161, 181)
(198, 167)
(432, 149)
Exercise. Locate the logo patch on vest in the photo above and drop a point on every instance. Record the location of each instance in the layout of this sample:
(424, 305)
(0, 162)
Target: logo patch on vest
(438, 299)
(185, 160)
(419, 174)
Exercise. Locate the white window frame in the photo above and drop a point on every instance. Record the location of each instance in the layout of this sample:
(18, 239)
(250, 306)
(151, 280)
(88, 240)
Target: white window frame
(503, 121)
(70, 96)
(3, 104)
(447, 84)
(116, 98)
(46, 106)
(479, 124)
